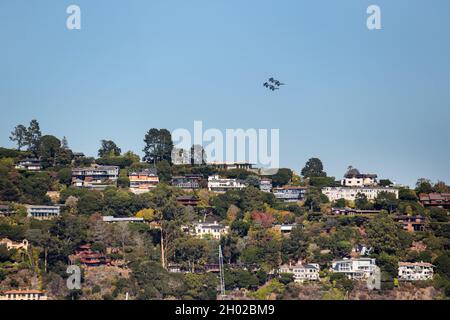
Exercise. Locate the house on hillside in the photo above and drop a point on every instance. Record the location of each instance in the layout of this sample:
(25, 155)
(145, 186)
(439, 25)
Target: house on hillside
(415, 271)
(187, 182)
(360, 268)
(29, 164)
(209, 229)
(307, 272)
(95, 177)
(143, 181)
(289, 193)
(23, 295)
(12, 245)
(222, 185)
(42, 212)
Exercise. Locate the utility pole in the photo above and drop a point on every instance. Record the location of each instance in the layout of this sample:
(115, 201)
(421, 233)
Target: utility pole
(222, 279)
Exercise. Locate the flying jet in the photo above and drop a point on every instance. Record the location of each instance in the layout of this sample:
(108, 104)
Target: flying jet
(273, 84)
(273, 88)
(278, 83)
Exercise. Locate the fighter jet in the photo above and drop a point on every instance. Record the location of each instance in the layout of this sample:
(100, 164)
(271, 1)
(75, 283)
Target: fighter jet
(278, 83)
(273, 84)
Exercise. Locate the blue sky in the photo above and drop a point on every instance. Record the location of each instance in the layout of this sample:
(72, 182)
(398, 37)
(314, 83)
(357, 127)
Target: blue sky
(377, 100)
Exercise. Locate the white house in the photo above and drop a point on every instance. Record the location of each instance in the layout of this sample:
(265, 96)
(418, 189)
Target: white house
(361, 268)
(23, 295)
(414, 271)
(214, 230)
(122, 219)
(301, 272)
(348, 193)
(43, 212)
(14, 245)
(222, 185)
(359, 180)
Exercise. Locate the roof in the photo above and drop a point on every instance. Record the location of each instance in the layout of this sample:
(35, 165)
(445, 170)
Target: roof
(192, 198)
(415, 264)
(300, 265)
(36, 206)
(121, 219)
(96, 167)
(29, 160)
(290, 188)
(149, 171)
(434, 196)
(23, 292)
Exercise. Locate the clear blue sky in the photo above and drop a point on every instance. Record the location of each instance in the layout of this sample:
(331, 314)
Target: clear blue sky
(377, 100)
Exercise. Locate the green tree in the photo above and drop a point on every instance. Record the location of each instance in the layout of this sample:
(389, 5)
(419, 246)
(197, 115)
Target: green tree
(386, 201)
(340, 203)
(442, 263)
(49, 148)
(423, 186)
(164, 170)
(158, 146)
(108, 149)
(385, 182)
(406, 194)
(384, 235)
(313, 168)
(65, 176)
(314, 198)
(5, 254)
(33, 136)
(361, 202)
(19, 136)
(240, 227)
(282, 177)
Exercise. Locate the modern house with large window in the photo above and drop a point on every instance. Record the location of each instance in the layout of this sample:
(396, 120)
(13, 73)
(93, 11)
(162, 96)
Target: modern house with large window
(289, 193)
(143, 181)
(361, 268)
(95, 177)
(43, 212)
(415, 271)
(222, 185)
